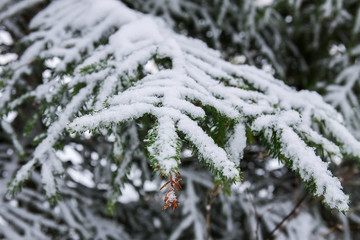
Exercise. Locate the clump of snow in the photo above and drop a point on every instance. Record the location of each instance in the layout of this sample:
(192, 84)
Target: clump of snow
(69, 154)
(237, 143)
(129, 194)
(164, 148)
(5, 38)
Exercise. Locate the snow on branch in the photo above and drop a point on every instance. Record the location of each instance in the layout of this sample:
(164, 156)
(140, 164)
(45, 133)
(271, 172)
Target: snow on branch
(11, 9)
(191, 92)
(342, 95)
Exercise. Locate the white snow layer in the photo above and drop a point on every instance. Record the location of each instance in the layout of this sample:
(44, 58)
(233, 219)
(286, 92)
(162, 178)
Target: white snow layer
(164, 148)
(237, 143)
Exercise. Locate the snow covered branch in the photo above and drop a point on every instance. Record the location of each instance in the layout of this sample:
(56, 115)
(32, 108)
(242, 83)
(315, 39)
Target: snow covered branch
(116, 65)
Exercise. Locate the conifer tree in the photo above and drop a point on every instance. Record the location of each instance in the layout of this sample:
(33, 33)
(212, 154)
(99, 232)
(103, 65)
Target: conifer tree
(141, 103)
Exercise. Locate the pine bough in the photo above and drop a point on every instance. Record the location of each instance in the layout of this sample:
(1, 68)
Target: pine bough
(275, 34)
(118, 65)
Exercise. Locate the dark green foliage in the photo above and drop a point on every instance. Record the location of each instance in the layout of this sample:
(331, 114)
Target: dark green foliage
(77, 88)
(163, 62)
(93, 68)
(216, 125)
(30, 124)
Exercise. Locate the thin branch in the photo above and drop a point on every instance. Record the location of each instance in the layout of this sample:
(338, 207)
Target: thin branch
(334, 228)
(287, 217)
(208, 209)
